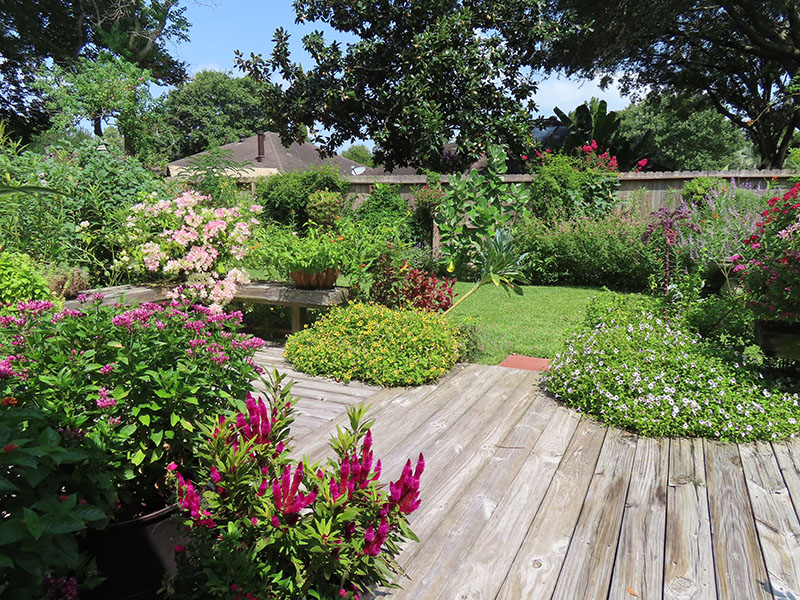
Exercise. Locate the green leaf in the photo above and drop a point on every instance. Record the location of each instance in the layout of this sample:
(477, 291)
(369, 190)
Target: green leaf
(137, 458)
(157, 436)
(6, 486)
(128, 430)
(6, 562)
(173, 418)
(34, 523)
(145, 419)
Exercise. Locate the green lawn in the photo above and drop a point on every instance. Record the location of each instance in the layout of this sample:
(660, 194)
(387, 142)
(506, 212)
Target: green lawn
(534, 324)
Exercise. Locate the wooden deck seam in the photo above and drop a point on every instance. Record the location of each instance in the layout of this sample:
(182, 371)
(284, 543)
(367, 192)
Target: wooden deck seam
(539, 508)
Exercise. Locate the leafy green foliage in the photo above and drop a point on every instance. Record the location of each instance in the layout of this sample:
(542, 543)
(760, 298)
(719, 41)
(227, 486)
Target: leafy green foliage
(20, 279)
(360, 154)
(65, 33)
(565, 186)
(636, 370)
(213, 173)
(105, 88)
(54, 485)
(585, 251)
(374, 343)
(686, 133)
(415, 78)
(285, 196)
(385, 207)
(474, 208)
(324, 207)
(714, 50)
(77, 225)
(213, 108)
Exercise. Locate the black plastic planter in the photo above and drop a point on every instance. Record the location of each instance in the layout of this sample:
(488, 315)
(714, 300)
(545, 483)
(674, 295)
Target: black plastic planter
(134, 556)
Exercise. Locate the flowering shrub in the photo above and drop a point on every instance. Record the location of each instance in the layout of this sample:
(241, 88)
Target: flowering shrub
(324, 206)
(374, 343)
(637, 371)
(262, 525)
(566, 185)
(770, 260)
(668, 221)
(725, 214)
(189, 237)
(133, 381)
(398, 285)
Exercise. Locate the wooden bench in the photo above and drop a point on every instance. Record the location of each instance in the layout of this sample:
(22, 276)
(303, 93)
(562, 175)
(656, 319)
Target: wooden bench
(277, 293)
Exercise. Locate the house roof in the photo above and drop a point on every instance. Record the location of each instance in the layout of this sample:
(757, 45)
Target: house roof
(277, 158)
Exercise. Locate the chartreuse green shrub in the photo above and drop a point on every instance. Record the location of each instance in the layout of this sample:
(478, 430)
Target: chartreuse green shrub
(19, 279)
(374, 343)
(637, 370)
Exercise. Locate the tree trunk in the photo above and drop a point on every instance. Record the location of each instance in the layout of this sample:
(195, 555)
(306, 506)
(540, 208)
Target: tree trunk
(98, 126)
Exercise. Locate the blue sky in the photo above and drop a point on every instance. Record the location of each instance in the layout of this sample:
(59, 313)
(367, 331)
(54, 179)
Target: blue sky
(248, 25)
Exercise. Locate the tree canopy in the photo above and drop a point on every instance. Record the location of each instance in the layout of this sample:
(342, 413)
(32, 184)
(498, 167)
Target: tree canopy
(741, 55)
(359, 153)
(67, 30)
(213, 108)
(686, 133)
(417, 76)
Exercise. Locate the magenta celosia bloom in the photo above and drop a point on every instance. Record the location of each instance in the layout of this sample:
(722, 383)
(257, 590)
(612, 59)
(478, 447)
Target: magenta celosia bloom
(286, 497)
(404, 493)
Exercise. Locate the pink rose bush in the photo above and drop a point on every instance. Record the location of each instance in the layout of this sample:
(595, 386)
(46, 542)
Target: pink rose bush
(770, 260)
(264, 525)
(191, 238)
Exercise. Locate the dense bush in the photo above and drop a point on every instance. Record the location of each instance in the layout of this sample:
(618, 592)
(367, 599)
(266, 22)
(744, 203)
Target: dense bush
(584, 251)
(637, 370)
(374, 343)
(76, 226)
(20, 280)
(285, 195)
(565, 186)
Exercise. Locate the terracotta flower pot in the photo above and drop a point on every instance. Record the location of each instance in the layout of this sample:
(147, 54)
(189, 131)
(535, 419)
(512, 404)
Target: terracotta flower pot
(315, 281)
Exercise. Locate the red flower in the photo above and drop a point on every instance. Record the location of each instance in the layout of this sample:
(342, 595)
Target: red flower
(10, 447)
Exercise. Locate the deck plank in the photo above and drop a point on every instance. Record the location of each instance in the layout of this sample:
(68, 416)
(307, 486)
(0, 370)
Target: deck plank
(776, 521)
(465, 507)
(738, 562)
(688, 560)
(788, 455)
(487, 542)
(639, 565)
(538, 561)
(587, 569)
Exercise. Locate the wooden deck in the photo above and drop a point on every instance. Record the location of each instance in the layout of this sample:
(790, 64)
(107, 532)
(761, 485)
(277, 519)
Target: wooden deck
(525, 499)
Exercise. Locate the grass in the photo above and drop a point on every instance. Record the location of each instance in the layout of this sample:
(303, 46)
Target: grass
(535, 324)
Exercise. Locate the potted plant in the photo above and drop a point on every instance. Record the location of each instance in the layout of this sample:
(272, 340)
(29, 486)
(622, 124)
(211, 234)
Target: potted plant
(133, 383)
(770, 264)
(263, 525)
(314, 260)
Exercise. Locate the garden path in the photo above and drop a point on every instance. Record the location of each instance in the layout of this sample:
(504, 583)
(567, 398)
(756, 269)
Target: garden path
(523, 499)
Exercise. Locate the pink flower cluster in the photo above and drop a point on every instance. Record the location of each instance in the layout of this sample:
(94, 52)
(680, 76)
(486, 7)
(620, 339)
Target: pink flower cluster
(104, 399)
(404, 493)
(190, 500)
(189, 236)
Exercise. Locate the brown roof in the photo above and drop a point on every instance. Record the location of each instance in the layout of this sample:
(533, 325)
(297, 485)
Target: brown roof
(277, 158)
